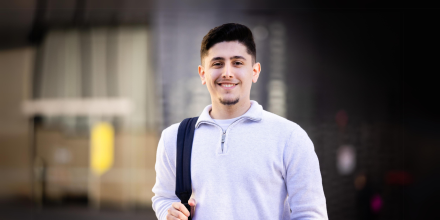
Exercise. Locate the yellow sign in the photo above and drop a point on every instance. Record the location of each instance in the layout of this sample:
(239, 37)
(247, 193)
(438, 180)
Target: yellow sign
(101, 147)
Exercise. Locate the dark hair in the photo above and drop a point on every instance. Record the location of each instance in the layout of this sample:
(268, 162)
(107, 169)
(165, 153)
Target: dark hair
(229, 32)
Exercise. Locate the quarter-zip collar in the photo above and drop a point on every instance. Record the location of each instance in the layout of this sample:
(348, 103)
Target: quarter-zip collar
(254, 113)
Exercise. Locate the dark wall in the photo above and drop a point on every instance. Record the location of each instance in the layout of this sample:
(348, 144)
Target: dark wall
(350, 61)
(346, 60)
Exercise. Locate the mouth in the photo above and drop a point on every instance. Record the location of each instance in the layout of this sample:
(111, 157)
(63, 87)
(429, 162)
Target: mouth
(227, 85)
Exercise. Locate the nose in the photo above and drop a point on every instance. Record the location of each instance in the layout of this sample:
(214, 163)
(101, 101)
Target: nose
(227, 74)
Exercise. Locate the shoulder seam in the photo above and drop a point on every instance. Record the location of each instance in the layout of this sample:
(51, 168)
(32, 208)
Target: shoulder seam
(166, 154)
(284, 149)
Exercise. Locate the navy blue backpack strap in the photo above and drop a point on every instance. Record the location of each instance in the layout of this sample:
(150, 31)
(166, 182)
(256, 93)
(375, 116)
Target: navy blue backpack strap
(185, 138)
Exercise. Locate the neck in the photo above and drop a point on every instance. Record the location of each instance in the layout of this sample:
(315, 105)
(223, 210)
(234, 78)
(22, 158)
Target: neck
(220, 111)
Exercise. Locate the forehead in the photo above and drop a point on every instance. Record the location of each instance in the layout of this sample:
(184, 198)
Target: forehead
(228, 49)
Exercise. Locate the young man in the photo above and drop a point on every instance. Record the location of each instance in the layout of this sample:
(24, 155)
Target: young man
(246, 163)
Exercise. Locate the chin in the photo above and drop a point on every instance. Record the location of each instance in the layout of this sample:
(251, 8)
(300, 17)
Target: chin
(229, 101)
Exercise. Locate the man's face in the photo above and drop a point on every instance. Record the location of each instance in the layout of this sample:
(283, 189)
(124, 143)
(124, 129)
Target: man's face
(228, 72)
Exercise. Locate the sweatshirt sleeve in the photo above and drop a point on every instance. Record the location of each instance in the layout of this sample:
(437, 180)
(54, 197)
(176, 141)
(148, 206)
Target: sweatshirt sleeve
(164, 188)
(303, 178)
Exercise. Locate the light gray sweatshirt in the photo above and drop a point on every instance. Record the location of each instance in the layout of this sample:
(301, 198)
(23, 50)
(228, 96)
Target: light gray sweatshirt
(265, 169)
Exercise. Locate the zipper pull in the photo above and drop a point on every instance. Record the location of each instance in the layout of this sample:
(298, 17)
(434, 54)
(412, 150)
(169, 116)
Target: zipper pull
(223, 139)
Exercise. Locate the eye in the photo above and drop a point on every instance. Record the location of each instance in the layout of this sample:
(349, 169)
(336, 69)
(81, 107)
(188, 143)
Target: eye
(217, 64)
(238, 63)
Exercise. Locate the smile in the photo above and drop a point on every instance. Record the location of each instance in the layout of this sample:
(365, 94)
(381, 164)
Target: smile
(227, 85)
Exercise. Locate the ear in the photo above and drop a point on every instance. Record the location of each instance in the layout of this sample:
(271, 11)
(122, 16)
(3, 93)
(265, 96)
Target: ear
(256, 69)
(202, 74)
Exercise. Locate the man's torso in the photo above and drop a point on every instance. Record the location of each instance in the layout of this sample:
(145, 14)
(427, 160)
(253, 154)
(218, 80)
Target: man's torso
(246, 175)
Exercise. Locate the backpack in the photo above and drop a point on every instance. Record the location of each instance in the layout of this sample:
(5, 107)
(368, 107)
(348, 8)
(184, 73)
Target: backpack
(185, 136)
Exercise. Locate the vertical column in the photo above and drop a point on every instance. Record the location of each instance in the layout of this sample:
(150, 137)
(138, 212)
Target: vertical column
(276, 86)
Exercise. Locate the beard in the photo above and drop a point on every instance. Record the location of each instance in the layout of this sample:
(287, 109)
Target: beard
(229, 102)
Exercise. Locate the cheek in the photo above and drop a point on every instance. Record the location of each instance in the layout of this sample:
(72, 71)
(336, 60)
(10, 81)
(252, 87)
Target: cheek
(246, 77)
(213, 76)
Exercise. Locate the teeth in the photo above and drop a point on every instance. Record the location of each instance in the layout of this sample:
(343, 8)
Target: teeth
(227, 85)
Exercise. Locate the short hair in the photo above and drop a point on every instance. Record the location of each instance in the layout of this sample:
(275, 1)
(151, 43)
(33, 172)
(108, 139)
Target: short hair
(229, 32)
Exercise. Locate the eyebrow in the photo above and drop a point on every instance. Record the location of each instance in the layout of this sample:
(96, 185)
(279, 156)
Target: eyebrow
(237, 57)
(232, 58)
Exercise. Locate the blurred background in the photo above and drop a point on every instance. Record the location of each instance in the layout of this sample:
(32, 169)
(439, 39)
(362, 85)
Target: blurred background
(80, 79)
